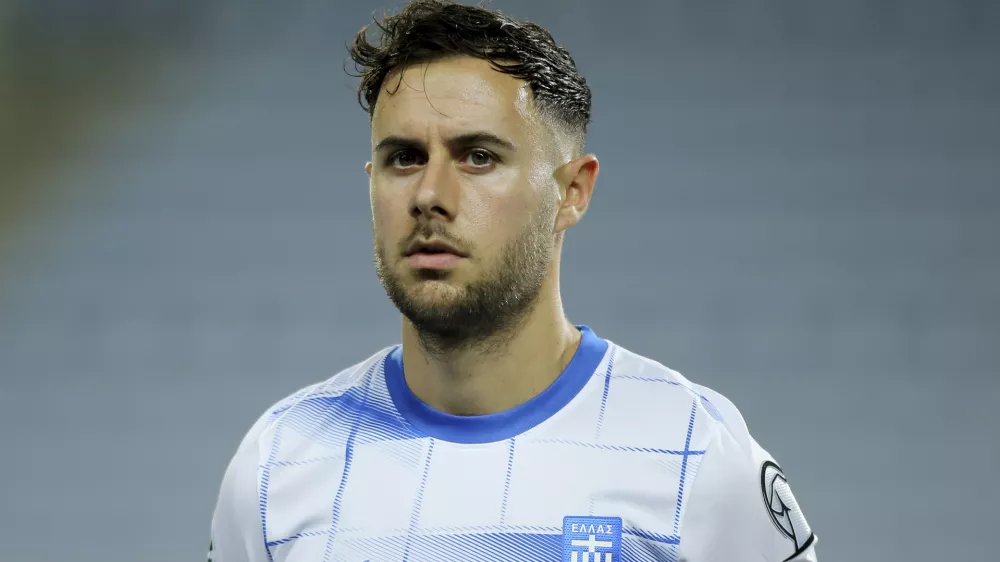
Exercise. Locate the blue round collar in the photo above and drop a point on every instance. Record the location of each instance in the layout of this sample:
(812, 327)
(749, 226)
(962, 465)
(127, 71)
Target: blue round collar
(502, 425)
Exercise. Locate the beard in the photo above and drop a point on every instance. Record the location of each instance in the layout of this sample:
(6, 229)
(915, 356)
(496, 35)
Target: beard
(481, 313)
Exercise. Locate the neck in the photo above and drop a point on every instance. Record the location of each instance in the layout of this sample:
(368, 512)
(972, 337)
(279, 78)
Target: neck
(494, 375)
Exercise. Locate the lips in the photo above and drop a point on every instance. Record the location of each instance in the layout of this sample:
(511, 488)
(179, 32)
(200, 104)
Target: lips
(432, 248)
(432, 255)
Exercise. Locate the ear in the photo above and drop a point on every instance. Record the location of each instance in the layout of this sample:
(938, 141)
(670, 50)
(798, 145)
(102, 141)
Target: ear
(368, 169)
(576, 185)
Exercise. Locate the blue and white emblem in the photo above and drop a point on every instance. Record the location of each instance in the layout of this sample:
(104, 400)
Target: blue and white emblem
(592, 539)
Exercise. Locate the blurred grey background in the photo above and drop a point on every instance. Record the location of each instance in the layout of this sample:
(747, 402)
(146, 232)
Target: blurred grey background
(799, 206)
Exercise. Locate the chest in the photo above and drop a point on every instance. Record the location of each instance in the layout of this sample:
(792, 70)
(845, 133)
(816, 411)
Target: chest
(423, 499)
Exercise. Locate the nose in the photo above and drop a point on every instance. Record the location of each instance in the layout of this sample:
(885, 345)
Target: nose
(435, 195)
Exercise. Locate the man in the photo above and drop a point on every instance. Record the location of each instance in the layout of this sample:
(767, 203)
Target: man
(498, 430)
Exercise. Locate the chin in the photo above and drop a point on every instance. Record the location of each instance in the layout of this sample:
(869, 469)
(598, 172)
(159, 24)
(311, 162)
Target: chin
(434, 292)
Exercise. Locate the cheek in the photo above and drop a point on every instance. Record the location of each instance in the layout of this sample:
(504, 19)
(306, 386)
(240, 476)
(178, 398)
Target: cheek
(501, 194)
(496, 218)
(388, 213)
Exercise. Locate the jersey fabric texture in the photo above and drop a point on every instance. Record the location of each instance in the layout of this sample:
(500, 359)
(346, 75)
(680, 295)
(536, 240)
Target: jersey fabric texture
(620, 460)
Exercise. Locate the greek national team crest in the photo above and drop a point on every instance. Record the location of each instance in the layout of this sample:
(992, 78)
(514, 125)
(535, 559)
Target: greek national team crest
(592, 539)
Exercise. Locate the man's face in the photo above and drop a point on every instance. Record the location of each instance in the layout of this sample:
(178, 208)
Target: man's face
(463, 197)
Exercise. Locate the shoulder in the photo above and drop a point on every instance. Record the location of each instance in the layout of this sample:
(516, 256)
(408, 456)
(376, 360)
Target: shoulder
(300, 402)
(237, 532)
(708, 413)
(736, 501)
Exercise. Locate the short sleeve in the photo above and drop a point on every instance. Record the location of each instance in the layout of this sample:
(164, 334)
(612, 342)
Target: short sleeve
(741, 508)
(237, 534)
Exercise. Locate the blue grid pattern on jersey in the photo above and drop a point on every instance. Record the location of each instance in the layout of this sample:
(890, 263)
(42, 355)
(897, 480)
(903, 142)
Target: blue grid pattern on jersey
(372, 421)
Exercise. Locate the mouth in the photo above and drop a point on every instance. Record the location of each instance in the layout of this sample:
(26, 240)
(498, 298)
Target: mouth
(433, 256)
(432, 248)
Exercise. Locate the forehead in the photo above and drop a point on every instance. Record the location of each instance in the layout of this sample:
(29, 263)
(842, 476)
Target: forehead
(453, 96)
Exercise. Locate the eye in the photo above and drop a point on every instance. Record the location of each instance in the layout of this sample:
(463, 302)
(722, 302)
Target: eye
(405, 159)
(480, 158)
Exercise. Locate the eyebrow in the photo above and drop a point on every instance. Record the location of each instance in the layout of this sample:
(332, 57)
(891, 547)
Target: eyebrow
(479, 138)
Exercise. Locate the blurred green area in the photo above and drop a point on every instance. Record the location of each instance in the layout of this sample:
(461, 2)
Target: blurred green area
(48, 96)
(62, 67)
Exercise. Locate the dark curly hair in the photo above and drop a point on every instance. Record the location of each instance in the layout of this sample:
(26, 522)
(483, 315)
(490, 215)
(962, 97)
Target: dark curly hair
(428, 30)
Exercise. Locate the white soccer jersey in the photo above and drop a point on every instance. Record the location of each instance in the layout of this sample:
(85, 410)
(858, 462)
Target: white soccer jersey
(620, 460)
